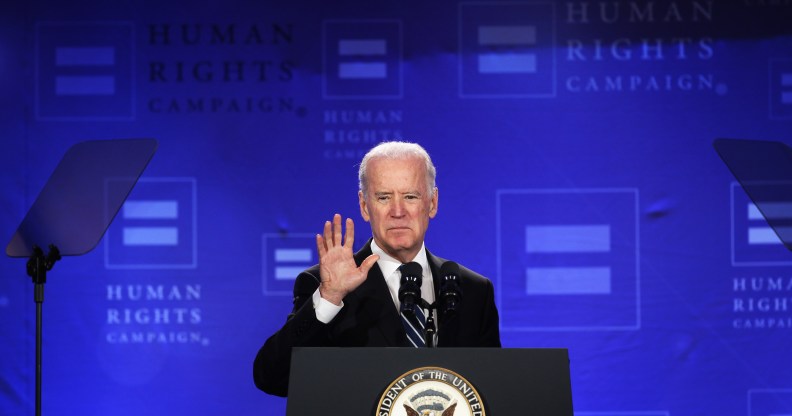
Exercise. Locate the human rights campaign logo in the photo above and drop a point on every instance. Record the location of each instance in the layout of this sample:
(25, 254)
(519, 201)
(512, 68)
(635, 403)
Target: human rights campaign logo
(84, 71)
(781, 89)
(156, 227)
(507, 50)
(568, 259)
(283, 258)
(754, 242)
(362, 59)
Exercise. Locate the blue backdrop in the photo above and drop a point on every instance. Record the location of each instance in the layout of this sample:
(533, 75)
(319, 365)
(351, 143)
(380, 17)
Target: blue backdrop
(573, 142)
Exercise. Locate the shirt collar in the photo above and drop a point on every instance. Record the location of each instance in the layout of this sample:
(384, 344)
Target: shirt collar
(388, 264)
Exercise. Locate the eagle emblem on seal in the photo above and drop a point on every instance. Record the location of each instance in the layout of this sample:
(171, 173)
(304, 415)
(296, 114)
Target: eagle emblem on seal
(430, 402)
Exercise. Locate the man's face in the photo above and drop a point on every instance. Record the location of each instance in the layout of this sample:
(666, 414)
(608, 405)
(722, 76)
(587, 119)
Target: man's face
(398, 205)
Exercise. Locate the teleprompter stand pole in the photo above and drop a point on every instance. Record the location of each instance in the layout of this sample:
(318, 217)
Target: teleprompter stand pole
(37, 267)
(74, 209)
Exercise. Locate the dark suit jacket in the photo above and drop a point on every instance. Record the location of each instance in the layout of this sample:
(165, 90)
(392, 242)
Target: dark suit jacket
(369, 318)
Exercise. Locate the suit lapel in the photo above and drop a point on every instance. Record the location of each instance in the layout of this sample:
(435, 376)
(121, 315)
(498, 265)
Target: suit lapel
(434, 264)
(373, 301)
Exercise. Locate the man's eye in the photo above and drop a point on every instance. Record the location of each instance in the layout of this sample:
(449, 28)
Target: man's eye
(383, 198)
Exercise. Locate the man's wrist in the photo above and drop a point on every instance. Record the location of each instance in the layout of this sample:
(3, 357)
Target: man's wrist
(325, 310)
(332, 297)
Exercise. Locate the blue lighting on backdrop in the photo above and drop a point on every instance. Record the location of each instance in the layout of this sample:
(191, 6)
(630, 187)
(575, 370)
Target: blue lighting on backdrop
(573, 142)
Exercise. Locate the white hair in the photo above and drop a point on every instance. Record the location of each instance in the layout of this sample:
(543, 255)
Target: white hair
(397, 150)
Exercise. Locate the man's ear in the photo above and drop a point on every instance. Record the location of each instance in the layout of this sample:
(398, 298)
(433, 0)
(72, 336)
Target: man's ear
(433, 203)
(363, 207)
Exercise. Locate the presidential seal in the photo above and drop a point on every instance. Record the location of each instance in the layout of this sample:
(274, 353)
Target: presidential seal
(430, 391)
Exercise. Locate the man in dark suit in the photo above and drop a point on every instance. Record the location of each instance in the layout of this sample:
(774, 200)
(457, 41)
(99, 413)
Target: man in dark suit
(351, 300)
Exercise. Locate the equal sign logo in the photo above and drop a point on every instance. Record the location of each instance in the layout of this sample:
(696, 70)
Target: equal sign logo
(775, 213)
(92, 63)
(362, 59)
(574, 252)
(786, 88)
(289, 262)
(283, 258)
(764, 234)
(781, 89)
(150, 211)
(366, 58)
(756, 225)
(156, 228)
(85, 71)
(567, 239)
(509, 49)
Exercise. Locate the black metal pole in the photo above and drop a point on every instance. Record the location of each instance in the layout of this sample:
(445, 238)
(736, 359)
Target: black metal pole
(429, 328)
(39, 297)
(37, 267)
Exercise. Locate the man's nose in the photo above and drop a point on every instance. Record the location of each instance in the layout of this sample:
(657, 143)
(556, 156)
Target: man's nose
(397, 208)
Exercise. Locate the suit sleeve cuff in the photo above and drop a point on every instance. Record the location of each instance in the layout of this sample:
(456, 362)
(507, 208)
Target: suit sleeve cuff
(325, 310)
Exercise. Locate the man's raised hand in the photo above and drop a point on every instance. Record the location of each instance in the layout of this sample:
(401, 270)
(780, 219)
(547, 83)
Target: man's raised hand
(337, 269)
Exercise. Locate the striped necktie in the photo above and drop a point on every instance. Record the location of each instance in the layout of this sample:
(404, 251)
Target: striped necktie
(415, 327)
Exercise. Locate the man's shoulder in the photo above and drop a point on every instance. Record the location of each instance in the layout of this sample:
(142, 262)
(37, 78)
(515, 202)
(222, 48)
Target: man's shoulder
(307, 281)
(465, 273)
(471, 273)
(312, 271)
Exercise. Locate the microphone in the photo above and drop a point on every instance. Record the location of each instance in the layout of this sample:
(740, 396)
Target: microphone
(410, 287)
(450, 292)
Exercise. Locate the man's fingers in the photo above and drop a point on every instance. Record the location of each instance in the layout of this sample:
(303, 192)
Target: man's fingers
(337, 230)
(328, 234)
(350, 233)
(368, 263)
(320, 246)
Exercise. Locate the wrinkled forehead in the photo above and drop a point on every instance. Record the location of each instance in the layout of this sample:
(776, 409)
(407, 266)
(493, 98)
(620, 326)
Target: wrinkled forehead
(402, 174)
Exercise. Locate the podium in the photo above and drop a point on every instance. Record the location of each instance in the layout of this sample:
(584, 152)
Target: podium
(384, 381)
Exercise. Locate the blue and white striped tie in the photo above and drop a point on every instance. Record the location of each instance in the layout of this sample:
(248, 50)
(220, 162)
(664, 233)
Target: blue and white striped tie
(415, 327)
